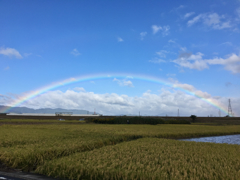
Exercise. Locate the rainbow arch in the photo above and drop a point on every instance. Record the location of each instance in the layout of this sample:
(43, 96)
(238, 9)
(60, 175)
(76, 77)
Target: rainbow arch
(82, 78)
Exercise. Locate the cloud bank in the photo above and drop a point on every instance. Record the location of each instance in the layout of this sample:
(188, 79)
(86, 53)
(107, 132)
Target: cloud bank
(166, 102)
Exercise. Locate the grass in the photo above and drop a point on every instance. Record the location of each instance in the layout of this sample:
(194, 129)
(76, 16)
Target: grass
(28, 147)
(37, 121)
(150, 158)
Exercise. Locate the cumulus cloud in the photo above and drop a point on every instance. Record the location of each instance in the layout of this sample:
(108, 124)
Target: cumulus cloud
(124, 82)
(156, 28)
(120, 39)
(212, 20)
(10, 52)
(164, 29)
(142, 35)
(191, 61)
(75, 52)
(196, 61)
(165, 102)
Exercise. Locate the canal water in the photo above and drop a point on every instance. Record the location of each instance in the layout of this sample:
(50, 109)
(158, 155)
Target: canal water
(229, 139)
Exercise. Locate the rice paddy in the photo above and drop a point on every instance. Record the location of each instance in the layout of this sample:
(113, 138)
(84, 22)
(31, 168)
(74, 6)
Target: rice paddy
(96, 151)
(150, 158)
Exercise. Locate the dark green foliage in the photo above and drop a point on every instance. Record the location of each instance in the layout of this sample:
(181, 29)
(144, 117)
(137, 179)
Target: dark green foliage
(177, 122)
(193, 118)
(135, 120)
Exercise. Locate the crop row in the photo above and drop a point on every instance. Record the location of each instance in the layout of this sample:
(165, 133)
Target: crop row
(28, 146)
(150, 158)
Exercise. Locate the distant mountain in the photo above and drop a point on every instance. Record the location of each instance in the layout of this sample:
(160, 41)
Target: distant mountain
(21, 110)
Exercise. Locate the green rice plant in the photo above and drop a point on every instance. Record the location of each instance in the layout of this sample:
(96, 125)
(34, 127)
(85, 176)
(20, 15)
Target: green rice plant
(150, 158)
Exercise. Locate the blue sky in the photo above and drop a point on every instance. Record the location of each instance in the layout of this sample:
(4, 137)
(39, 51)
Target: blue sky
(192, 43)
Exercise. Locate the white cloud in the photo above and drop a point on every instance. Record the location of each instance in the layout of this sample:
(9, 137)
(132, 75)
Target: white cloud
(79, 89)
(171, 41)
(212, 20)
(188, 60)
(120, 39)
(231, 63)
(187, 15)
(162, 53)
(156, 28)
(191, 61)
(164, 29)
(75, 52)
(124, 82)
(165, 102)
(194, 20)
(143, 34)
(177, 8)
(27, 54)
(157, 61)
(227, 43)
(10, 52)
(238, 13)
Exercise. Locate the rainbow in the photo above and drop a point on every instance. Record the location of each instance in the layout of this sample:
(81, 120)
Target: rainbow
(42, 90)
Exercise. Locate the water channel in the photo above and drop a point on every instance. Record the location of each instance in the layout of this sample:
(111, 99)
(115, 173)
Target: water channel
(229, 139)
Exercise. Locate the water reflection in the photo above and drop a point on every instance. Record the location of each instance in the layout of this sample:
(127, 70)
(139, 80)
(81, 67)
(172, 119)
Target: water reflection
(229, 139)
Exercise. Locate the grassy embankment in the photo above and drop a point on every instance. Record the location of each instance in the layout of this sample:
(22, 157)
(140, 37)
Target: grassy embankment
(30, 146)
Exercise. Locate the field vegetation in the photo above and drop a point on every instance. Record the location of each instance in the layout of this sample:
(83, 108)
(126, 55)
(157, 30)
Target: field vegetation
(135, 120)
(39, 146)
(150, 158)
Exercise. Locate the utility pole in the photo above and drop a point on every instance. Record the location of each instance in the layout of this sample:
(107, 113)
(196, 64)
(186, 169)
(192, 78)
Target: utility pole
(178, 112)
(230, 113)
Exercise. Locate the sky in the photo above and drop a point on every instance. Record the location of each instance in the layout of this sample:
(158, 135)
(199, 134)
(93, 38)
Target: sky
(123, 57)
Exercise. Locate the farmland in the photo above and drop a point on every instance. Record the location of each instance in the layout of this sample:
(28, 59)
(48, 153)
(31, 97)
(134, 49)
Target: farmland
(98, 151)
(150, 158)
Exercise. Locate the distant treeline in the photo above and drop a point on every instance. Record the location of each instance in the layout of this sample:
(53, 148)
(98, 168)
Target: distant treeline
(135, 120)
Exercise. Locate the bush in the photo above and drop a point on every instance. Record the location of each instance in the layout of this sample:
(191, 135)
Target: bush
(193, 117)
(135, 120)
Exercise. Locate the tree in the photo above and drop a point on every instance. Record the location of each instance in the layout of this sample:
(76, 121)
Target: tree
(193, 118)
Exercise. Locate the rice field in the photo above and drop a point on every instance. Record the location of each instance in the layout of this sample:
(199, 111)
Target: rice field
(150, 158)
(43, 147)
